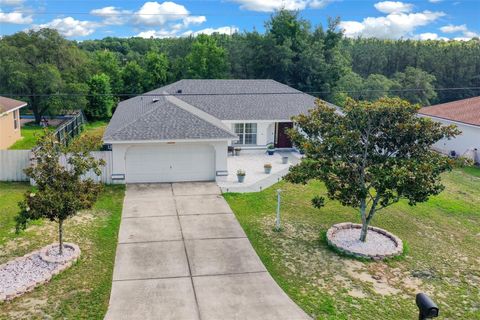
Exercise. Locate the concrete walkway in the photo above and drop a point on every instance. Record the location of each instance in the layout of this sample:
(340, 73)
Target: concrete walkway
(182, 255)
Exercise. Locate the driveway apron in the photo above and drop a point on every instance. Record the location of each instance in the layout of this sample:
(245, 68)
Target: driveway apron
(183, 255)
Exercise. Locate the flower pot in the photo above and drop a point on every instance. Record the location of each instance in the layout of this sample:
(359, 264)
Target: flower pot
(237, 151)
(267, 169)
(284, 160)
(270, 152)
(241, 178)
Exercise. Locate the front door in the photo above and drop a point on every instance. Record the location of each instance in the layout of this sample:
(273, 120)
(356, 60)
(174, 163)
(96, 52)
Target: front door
(283, 140)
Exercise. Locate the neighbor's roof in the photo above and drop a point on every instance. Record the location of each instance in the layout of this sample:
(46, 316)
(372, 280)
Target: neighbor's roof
(7, 104)
(465, 111)
(159, 120)
(175, 111)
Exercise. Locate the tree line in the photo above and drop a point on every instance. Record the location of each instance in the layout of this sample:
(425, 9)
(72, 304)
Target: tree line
(94, 75)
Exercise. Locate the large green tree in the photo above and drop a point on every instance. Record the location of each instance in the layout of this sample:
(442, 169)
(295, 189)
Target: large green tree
(133, 76)
(37, 65)
(206, 59)
(100, 98)
(156, 65)
(108, 62)
(416, 85)
(371, 155)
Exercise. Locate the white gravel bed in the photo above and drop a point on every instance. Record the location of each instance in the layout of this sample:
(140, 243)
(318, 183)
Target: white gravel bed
(380, 244)
(23, 274)
(376, 243)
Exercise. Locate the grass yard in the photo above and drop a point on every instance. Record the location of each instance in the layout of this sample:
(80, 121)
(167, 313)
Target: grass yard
(92, 131)
(443, 258)
(82, 291)
(30, 132)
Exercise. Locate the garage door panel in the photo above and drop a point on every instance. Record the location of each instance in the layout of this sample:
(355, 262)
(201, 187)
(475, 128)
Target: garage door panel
(170, 163)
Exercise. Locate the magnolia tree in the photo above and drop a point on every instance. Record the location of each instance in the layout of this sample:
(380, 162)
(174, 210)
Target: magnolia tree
(371, 155)
(60, 192)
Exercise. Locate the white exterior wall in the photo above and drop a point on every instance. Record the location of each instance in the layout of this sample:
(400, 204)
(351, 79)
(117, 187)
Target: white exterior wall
(468, 139)
(265, 132)
(119, 152)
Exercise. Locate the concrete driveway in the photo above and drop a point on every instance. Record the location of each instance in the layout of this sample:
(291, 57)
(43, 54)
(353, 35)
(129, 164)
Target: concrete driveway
(182, 255)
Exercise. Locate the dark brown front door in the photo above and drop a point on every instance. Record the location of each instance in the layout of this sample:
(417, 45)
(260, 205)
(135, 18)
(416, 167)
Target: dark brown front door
(283, 140)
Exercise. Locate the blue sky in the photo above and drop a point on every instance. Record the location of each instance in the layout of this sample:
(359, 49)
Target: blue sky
(93, 19)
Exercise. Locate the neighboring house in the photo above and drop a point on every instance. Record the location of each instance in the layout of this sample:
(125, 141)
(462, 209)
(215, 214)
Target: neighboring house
(9, 121)
(465, 114)
(181, 132)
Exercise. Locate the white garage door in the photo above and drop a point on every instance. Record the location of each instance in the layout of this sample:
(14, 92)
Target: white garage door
(170, 163)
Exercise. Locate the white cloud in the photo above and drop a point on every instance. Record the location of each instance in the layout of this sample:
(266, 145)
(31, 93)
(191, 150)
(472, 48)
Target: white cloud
(393, 7)
(70, 27)
(11, 2)
(466, 34)
(158, 14)
(15, 18)
(170, 17)
(429, 36)
(319, 4)
(394, 25)
(452, 29)
(435, 1)
(272, 5)
(111, 15)
(209, 31)
(157, 34)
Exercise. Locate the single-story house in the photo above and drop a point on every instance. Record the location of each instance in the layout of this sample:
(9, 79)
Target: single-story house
(9, 121)
(181, 132)
(465, 114)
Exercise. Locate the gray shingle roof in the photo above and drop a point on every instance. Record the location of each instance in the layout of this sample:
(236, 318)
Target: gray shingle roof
(143, 119)
(242, 99)
(140, 118)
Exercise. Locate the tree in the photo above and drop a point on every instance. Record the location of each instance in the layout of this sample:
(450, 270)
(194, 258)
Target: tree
(100, 98)
(133, 78)
(376, 86)
(36, 65)
(416, 85)
(60, 191)
(157, 66)
(206, 59)
(349, 85)
(107, 62)
(372, 155)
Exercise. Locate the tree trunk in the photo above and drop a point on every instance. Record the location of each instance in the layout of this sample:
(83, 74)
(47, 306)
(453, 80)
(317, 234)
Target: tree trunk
(363, 213)
(60, 237)
(363, 234)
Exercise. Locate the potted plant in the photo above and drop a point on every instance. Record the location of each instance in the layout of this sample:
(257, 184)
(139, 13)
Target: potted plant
(270, 149)
(237, 151)
(241, 175)
(267, 167)
(284, 159)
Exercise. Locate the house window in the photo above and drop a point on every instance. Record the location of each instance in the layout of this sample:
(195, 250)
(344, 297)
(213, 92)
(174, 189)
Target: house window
(15, 119)
(247, 133)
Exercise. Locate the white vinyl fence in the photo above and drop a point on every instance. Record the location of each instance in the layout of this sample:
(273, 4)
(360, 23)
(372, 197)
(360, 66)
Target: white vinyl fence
(13, 162)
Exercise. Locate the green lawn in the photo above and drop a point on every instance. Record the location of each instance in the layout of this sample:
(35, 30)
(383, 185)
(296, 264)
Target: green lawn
(30, 132)
(82, 291)
(443, 258)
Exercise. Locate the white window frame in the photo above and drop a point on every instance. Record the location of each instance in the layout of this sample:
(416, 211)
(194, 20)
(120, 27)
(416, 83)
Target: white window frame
(242, 133)
(16, 116)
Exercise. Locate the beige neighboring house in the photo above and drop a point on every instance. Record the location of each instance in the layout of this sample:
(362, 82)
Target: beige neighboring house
(9, 121)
